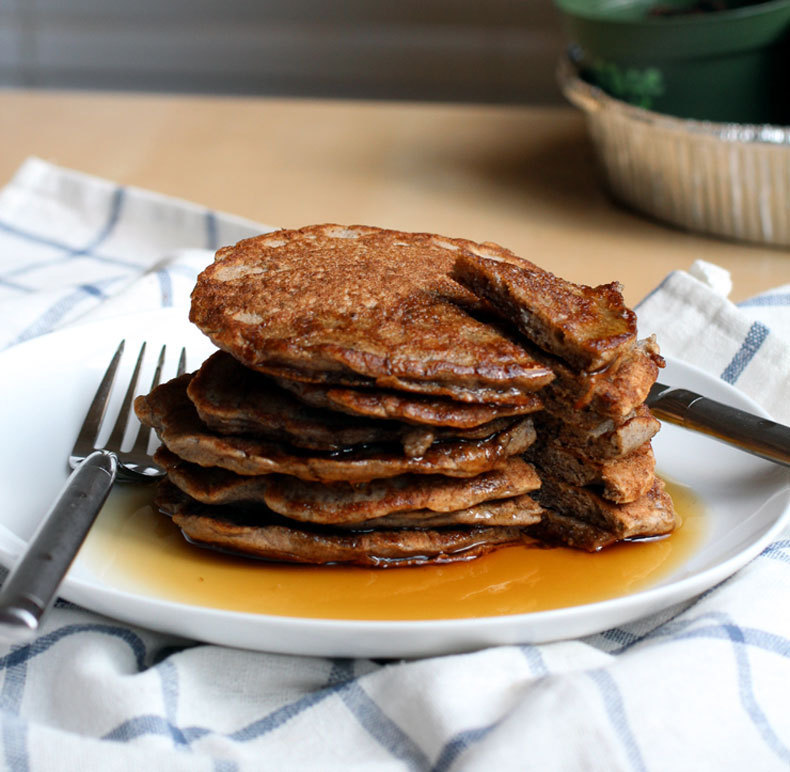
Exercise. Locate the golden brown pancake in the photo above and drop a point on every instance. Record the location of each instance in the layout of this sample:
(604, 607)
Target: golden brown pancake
(622, 479)
(408, 408)
(267, 536)
(341, 502)
(608, 439)
(358, 305)
(232, 399)
(235, 400)
(518, 511)
(168, 410)
(558, 529)
(588, 327)
(474, 392)
(613, 392)
(650, 515)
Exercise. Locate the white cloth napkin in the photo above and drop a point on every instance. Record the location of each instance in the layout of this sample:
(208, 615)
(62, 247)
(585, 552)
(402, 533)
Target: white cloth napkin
(702, 686)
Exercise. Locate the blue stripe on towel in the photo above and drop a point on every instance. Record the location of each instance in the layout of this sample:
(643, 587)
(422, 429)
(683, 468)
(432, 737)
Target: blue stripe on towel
(168, 675)
(778, 550)
(15, 663)
(116, 204)
(742, 639)
(166, 287)
(47, 321)
(613, 702)
(754, 339)
(14, 731)
(104, 232)
(748, 697)
(340, 678)
(457, 745)
(780, 299)
(535, 659)
(14, 734)
(17, 287)
(45, 642)
(212, 239)
(381, 727)
(747, 637)
(340, 674)
(138, 726)
(225, 765)
(30, 267)
(35, 237)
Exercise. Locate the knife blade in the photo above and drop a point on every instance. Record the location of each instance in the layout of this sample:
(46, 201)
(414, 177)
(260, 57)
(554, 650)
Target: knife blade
(751, 433)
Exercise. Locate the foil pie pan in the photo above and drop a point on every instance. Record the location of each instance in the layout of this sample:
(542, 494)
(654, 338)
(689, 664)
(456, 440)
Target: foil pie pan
(725, 179)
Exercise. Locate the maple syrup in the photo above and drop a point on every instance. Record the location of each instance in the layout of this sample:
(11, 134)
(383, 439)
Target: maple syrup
(134, 548)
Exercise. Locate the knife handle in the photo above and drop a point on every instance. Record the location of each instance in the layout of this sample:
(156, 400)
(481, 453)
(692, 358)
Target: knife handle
(754, 434)
(33, 582)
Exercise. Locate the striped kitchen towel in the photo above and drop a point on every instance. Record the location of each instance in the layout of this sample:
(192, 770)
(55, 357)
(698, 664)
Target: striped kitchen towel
(74, 246)
(700, 686)
(744, 345)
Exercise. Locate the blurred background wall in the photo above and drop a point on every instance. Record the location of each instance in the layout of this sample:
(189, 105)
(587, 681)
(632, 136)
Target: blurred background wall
(460, 50)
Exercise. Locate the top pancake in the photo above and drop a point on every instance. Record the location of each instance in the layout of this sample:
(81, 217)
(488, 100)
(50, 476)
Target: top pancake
(356, 305)
(588, 327)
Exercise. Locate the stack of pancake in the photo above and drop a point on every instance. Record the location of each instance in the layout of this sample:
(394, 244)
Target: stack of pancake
(593, 451)
(365, 407)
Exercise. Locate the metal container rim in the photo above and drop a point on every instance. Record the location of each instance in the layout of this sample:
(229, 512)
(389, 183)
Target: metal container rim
(592, 99)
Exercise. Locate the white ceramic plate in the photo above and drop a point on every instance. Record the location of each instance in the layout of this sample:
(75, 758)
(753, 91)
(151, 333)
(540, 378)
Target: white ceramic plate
(47, 384)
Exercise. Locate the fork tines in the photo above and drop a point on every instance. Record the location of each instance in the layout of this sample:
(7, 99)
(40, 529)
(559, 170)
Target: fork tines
(135, 462)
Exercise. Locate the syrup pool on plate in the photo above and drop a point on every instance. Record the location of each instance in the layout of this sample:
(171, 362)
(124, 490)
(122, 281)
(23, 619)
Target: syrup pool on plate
(135, 549)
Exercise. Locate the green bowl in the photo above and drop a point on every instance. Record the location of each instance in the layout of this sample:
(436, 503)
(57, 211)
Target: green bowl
(730, 65)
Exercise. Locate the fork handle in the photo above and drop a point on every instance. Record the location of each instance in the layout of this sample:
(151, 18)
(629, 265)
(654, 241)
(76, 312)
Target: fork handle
(33, 582)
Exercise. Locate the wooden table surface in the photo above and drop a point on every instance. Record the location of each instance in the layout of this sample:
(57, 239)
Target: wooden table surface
(520, 176)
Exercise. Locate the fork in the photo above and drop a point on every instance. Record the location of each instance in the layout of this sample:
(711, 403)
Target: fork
(32, 584)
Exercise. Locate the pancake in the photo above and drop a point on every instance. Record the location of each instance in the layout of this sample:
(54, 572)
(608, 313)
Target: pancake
(518, 511)
(334, 503)
(233, 399)
(613, 392)
(168, 410)
(556, 528)
(587, 327)
(650, 515)
(267, 536)
(474, 392)
(408, 408)
(607, 440)
(357, 305)
(622, 480)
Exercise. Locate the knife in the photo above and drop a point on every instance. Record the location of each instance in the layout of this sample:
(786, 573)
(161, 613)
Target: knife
(754, 434)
